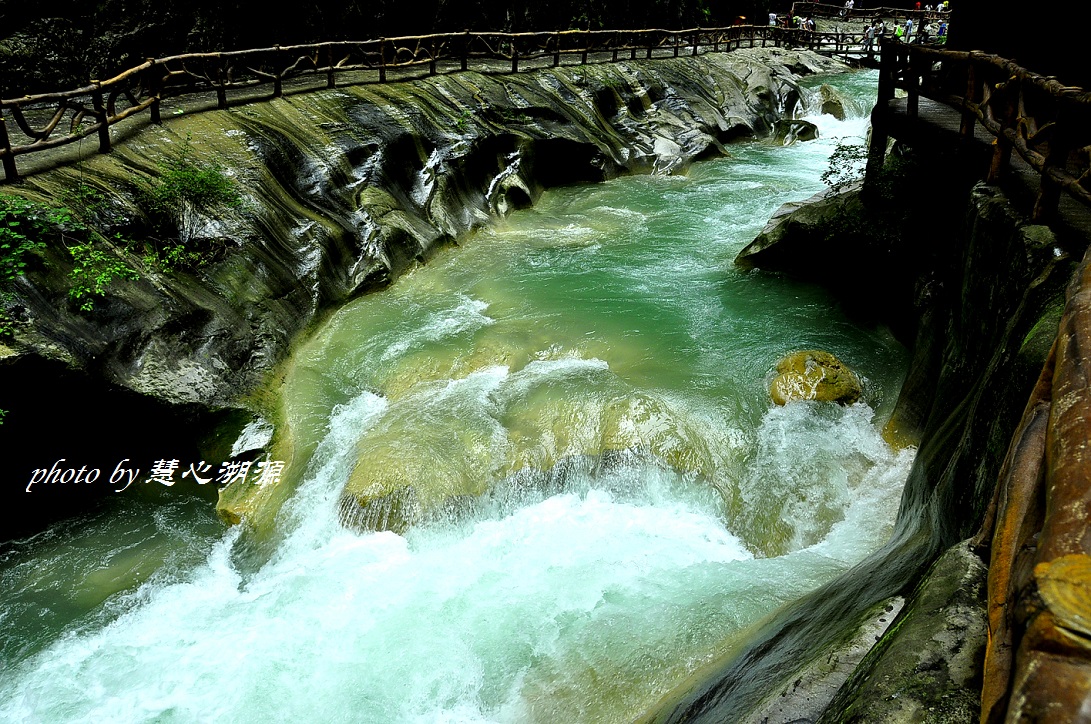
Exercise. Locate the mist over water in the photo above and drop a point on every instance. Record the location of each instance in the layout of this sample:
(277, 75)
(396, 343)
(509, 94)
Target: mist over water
(594, 371)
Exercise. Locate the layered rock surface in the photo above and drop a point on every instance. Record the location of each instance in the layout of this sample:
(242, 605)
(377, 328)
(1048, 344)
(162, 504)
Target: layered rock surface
(346, 189)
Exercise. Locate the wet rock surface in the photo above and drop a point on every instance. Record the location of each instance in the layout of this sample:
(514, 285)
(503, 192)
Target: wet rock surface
(346, 189)
(928, 667)
(814, 375)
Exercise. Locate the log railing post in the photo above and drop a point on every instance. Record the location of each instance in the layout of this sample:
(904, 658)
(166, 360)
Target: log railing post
(694, 40)
(278, 79)
(969, 118)
(677, 42)
(1049, 193)
(155, 90)
(514, 57)
(1002, 146)
(877, 145)
(886, 71)
(466, 50)
(221, 89)
(331, 78)
(586, 45)
(103, 119)
(382, 60)
(11, 174)
(913, 86)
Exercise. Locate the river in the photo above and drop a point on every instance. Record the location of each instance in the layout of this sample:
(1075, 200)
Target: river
(604, 496)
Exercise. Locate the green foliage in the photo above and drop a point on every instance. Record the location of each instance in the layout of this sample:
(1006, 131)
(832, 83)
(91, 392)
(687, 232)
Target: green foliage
(7, 324)
(846, 165)
(463, 120)
(174, 201)
(25, 228)
(95, 268)
(184, 191)
(24, 225)
(174, 257)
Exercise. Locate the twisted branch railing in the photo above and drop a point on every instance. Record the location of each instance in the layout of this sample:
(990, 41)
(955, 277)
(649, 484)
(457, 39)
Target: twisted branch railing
(50, 120)
(826, 10)
(1045, 122)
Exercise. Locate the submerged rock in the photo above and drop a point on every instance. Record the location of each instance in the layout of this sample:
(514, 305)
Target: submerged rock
(833, 103)
(814, 375)
(787, 131)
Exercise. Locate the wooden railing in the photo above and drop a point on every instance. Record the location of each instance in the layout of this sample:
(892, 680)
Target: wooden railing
(826, 10)
(50, 120)
(1045, 122)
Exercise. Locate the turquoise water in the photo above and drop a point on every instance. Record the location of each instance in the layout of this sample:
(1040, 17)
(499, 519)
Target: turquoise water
(598, 494)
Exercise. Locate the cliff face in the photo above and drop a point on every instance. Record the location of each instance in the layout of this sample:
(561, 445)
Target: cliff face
(343, 191)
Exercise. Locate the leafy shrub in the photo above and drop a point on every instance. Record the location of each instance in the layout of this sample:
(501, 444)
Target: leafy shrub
(95, 268)
(26, 226)
(183, 192)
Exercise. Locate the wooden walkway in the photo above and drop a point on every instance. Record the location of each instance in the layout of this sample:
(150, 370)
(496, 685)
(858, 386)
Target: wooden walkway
(31, 125)
(969, 100)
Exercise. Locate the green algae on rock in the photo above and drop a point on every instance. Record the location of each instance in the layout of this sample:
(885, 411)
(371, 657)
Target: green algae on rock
(814, 375)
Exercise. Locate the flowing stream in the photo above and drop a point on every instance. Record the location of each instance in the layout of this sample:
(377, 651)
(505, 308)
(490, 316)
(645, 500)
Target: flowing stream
(603, 495)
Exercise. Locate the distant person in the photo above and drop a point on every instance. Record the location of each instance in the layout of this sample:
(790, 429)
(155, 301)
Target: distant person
(909, 29)
(869, 38)
(899, 33)
(772, 19)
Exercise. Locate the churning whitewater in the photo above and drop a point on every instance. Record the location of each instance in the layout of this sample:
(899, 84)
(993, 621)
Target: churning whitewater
(595, 372)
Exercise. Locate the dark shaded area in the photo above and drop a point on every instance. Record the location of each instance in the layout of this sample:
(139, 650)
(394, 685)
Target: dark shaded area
(1051, 44)
(63, 45)
(59, 420)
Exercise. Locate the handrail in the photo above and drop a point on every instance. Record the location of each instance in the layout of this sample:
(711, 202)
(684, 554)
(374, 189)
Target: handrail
(94, 108)
(1047, 123)
(826, 10)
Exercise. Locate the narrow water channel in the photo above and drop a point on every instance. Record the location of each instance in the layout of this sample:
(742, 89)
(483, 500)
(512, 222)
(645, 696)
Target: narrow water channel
(578, 398)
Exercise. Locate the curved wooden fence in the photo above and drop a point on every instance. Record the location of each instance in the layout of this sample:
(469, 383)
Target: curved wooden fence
(826, 10)
(1046, 123)
(50, 120)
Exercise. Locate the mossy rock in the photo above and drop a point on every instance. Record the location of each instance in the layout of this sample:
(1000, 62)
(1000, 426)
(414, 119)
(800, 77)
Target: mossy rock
(833, 103)
(787, 131)
(814, 375)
